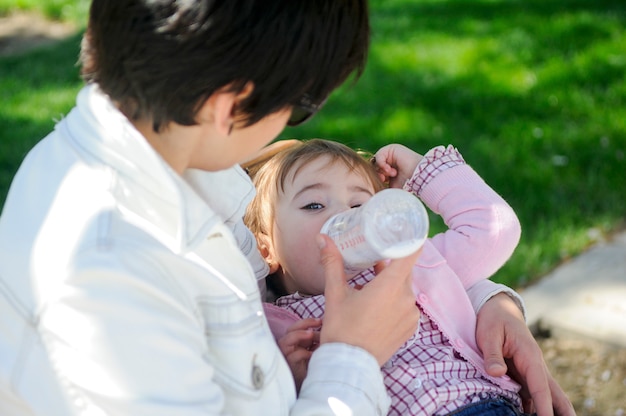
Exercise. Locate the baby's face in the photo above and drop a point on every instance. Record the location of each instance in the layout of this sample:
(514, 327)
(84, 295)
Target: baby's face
(318, 191)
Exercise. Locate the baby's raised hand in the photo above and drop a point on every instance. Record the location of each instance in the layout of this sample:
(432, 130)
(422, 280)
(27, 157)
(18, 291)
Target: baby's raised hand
(396, 164)
(298, 344)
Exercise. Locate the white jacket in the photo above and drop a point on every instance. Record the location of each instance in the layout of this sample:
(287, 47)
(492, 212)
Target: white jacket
(123, 290)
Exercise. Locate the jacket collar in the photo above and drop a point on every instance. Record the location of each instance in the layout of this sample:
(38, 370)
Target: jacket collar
(186, 208)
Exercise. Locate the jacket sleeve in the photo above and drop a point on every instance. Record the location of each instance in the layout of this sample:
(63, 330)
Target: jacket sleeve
(342, 379)
(483, 229)
(484, 290)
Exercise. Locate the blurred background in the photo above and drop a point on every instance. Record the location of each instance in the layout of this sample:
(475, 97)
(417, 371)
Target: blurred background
(532, 92)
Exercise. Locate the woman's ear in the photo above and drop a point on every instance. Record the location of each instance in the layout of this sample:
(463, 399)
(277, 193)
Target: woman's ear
(267, 251)
(221, 108)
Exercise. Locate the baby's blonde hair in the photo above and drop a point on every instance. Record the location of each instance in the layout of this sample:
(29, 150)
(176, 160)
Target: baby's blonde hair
(270, 177)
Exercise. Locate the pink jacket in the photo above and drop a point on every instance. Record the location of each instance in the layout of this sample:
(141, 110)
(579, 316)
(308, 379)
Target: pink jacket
(450, 277)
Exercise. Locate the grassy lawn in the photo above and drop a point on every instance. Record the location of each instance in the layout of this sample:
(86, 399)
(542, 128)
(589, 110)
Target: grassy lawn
(69, 10)
(532, 92)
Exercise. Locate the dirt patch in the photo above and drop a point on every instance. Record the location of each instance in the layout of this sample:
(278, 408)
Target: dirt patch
(21, 32)
(592, 373)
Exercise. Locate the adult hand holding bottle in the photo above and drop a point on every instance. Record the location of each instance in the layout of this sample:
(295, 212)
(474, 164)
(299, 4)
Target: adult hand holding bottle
(382, 315)
(379, 317)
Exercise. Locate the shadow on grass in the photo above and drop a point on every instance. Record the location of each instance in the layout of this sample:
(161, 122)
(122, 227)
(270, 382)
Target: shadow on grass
(400, 19)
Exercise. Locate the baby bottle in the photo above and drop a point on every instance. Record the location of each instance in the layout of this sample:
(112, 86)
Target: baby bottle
(392, 224)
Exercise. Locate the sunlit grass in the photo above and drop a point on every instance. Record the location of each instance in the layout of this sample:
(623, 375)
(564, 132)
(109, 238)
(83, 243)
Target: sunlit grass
(67, 10)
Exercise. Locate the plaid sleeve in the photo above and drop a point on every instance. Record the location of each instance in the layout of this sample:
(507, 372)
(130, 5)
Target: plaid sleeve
(434, 162)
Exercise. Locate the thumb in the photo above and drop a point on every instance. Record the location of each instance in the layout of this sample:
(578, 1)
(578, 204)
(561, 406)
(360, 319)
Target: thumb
(491, 348)
(332, 261)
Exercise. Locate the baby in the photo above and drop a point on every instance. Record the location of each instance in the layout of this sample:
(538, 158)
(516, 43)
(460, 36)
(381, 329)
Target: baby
(440, 369)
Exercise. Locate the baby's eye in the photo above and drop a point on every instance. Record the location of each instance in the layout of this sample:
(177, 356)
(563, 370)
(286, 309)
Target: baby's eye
(355, 206)
(313, 206)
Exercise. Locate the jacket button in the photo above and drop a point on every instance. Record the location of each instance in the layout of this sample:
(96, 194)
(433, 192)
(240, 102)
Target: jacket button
(258, 378)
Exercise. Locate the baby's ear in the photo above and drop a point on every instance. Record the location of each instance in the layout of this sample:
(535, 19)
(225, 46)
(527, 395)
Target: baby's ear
(267, 251)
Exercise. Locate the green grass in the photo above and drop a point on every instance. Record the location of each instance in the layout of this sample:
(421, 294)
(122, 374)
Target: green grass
(66, 10)
(35, 90)
(532, 92)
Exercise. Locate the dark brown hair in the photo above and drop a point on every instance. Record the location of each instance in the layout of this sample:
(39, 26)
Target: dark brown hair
(161, 59)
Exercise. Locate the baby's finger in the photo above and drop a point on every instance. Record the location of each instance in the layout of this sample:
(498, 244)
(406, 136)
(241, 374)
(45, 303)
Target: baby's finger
(308, 323)
(297, 339)
(386, 169)
(299, 355)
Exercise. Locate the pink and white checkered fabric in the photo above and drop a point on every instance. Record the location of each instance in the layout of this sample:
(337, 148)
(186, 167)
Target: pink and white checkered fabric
(427, 376)
(435, 161)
